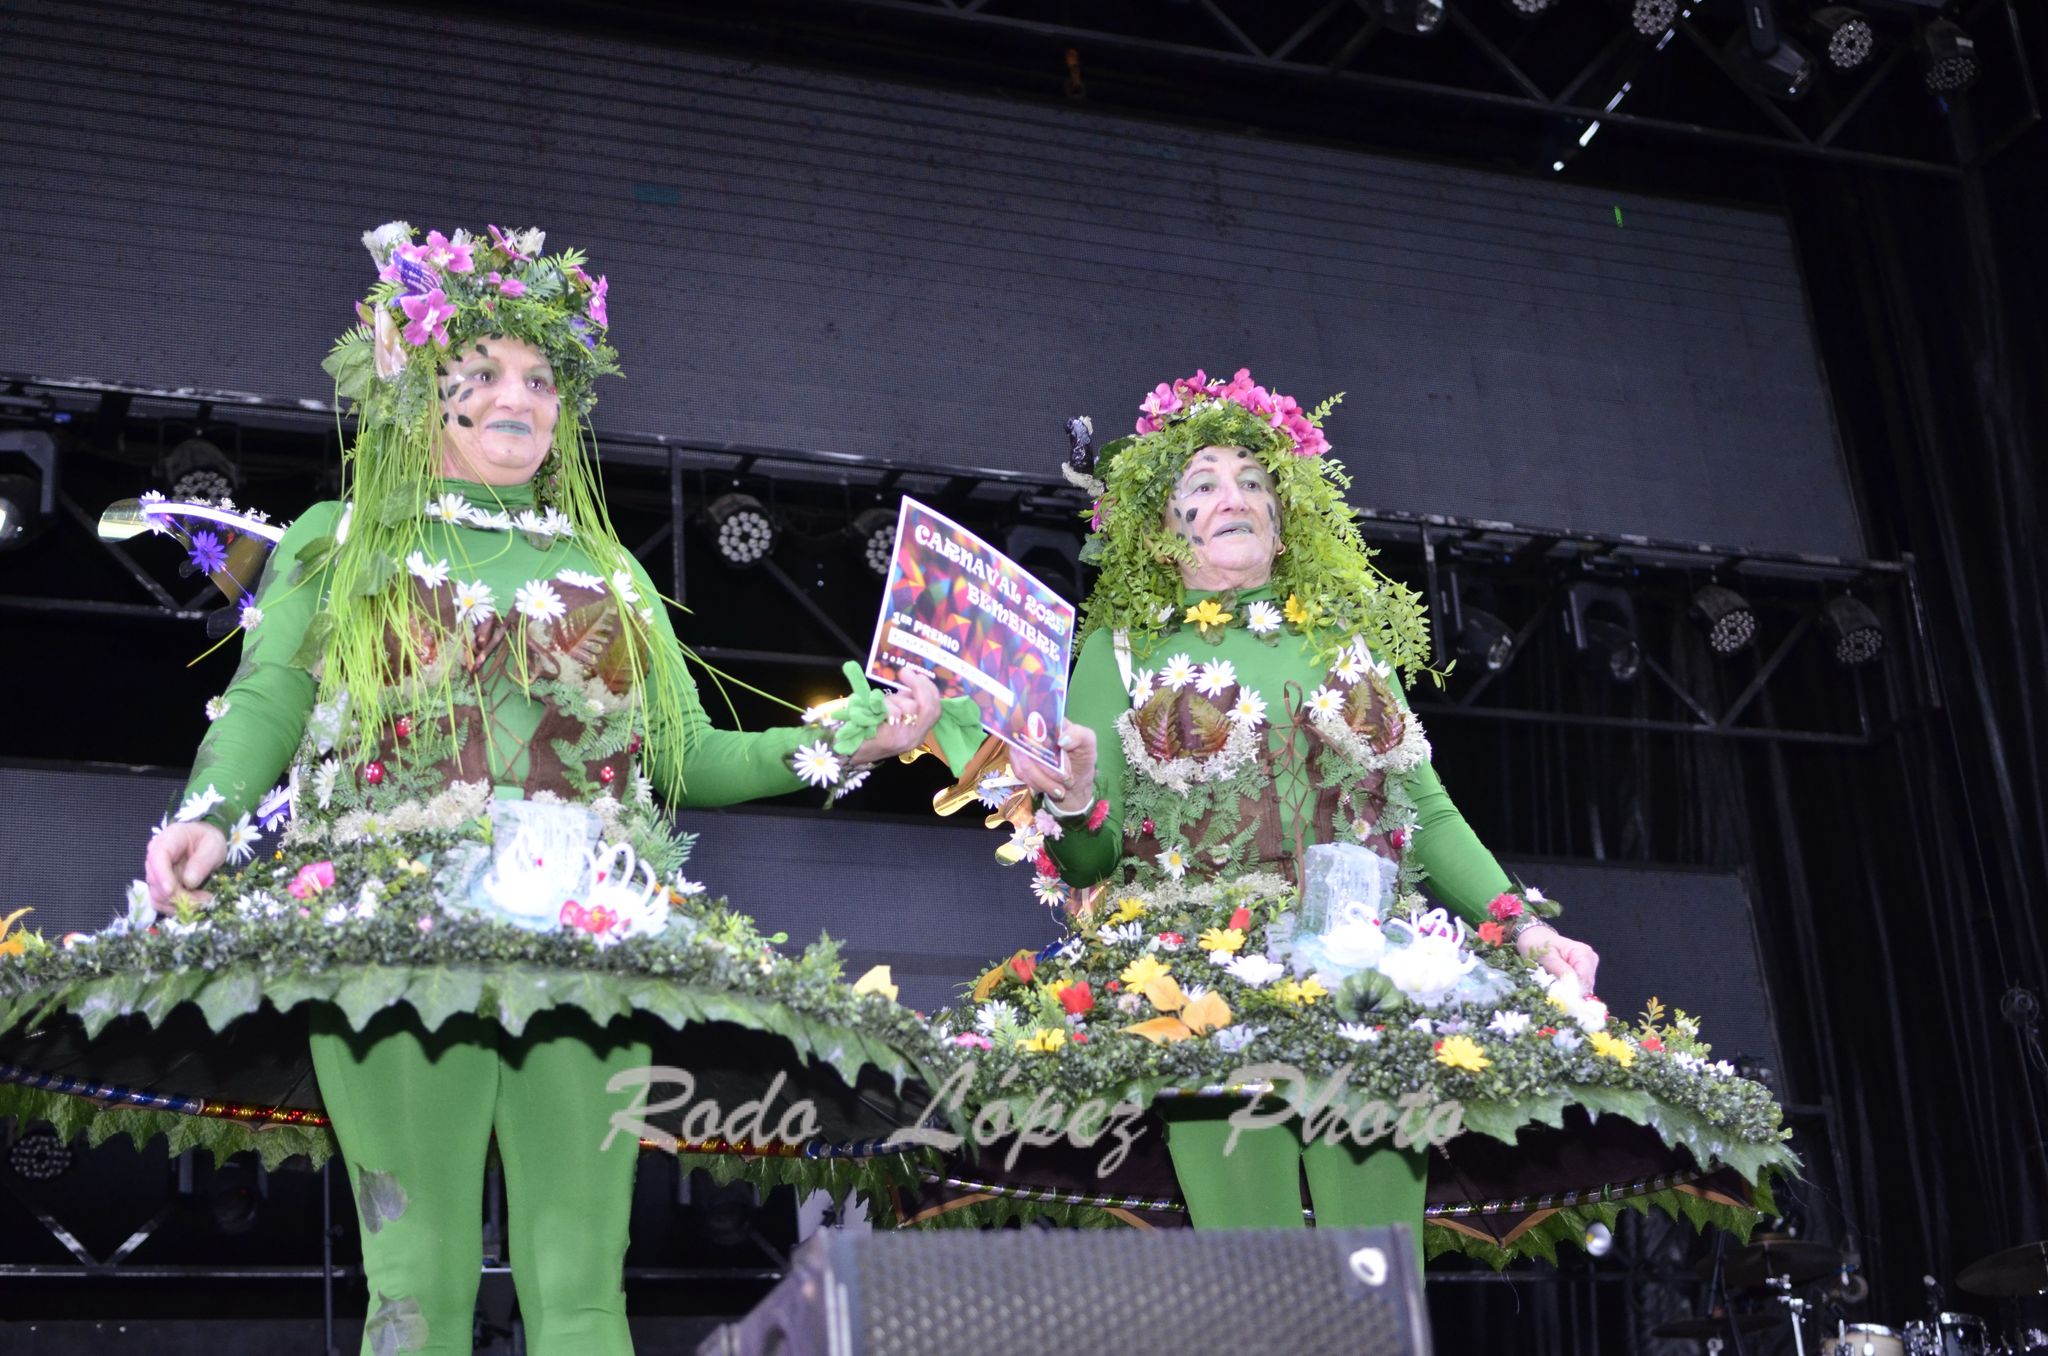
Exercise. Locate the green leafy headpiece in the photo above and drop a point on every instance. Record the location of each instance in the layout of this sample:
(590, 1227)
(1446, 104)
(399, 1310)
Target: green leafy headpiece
(432, 299)
(1332, 588)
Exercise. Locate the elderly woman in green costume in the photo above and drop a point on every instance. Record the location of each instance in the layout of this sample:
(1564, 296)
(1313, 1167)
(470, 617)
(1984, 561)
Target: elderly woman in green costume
(478, 696)
(1242, 830)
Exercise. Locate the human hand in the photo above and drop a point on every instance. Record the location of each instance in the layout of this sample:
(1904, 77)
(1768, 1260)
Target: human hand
(1060, 788)
(912, 713)
(180, 858)
(1559, 954)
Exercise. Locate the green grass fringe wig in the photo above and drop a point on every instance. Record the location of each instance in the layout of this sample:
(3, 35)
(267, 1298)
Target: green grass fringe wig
(1327, 568)
(431, 300)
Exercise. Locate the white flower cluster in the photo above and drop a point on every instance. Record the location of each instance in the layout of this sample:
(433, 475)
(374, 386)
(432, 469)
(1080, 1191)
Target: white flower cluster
(454, 508)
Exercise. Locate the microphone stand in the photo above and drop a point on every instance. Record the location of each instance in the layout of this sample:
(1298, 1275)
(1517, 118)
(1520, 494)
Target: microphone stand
(1795, 1306)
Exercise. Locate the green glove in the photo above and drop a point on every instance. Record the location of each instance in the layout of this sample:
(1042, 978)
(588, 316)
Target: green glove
(957, 733)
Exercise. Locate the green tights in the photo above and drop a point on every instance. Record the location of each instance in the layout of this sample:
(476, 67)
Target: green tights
(414, 1112)
(1258, 1184)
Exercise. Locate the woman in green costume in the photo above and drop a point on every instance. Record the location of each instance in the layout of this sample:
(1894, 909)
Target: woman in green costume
(479, 697)
(1242, 830)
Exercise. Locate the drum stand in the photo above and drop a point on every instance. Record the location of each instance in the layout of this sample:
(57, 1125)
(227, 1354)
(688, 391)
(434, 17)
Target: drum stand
(1717, 1299)
(1795, 1309)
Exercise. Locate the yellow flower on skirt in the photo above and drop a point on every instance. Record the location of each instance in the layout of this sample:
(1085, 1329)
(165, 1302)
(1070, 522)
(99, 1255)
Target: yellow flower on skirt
(1221, 939)
(1128, 909)
(1207, 613)
(1046, 1038)
(1461, 1052)
(1143, 971)
(1614, 1048)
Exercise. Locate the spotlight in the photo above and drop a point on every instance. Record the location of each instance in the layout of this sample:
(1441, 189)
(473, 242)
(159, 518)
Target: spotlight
(1475, 631)
(1853, 629)
(1602, 622)
(874, 536)
(27, 505)
(1529, 9)
(1948, 58)
(1654, 17)
(745, 532)
(1598, 1240)
(196, 469)
(1415, 18)
(39, 1155)
(1850, 39)
(1781, 69)
(1730, 623)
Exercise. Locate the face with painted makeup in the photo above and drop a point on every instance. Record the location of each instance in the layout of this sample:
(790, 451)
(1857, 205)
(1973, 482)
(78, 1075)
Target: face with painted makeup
(498, 411)
(1225, 507)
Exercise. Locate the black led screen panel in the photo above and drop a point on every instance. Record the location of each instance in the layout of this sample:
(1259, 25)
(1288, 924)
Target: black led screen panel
(817, 261)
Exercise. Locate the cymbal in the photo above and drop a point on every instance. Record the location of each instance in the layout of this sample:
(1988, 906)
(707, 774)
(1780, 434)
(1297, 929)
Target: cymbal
(2016, 1271)
(1769, 1256)
(1714, 1325)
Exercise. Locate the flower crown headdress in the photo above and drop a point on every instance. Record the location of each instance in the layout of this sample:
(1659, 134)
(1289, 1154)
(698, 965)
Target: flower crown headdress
(1326, 574)
(432, 297)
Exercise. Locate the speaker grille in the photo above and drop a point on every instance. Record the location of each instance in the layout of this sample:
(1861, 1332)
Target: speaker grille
(1035, 1291)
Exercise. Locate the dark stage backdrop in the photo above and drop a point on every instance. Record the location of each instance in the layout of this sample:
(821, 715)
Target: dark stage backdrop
(806, 260)
(928, 899)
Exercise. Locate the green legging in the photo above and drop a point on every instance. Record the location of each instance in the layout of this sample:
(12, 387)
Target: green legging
(414, 1112)
(1257, 1185)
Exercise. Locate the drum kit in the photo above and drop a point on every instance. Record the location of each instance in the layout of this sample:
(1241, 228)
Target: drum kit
(1783, 1265)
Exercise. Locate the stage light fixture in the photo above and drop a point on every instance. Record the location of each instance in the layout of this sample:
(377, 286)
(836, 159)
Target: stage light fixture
(1601, 621)
(196, 469)
(874, 535)
(39, 1155)
(1850, 38)
(1529, 9)
(1475, 632)
(1948, 58)
(1414, 18)
(744, 530)
(1783, 70)
(1852, 629)
(27, 505)
(1729, 620)
(1653, 18)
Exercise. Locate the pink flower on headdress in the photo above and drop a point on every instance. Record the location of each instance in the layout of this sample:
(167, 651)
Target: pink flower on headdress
(506, 243)
(511, 287)
(430, 315)
(596, 308)
(450, 255)
(1163, 401)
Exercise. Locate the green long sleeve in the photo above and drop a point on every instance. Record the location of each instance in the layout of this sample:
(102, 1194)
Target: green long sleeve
(1461, 873)
(247, 749)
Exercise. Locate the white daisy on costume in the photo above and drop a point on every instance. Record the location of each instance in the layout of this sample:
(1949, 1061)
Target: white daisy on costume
(1349, 668)
(1174, 862)
(622, 584)
(473, 602)
(1178, 673)
(1249, 710)
(251, 618)
(1050, 890)
(1262, 618)
(1141, 686)
(198, 803)
(324, 778)
(1509, 1024)
(1216, 677)
(1254, 969)
(816, 764)
(538, 601)
(1324, 701)
(216, 707)
(556, 524)
(449, 508)
(578, 579)
(241, 841)
(1359, 1032)
(432, 575)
